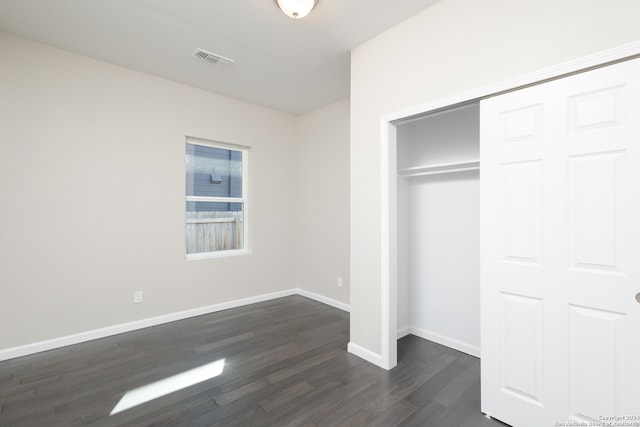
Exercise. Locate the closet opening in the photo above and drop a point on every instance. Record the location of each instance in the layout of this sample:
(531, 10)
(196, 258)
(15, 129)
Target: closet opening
(394, 271)
(430, 219)
(438, 227)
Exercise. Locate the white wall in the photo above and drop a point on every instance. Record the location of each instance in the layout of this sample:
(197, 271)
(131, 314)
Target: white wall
(323, 201)
(444, 258)
(439, 263)
(452, 47)
(92, 185)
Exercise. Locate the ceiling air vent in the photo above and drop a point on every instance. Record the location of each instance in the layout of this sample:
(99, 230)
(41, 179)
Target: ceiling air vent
(218, 60)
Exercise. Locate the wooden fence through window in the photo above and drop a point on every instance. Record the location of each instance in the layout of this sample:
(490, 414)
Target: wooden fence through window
(211, 231)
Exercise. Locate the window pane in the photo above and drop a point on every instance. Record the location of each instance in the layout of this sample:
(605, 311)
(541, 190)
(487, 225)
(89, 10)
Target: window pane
(213, 227)
(213, 172)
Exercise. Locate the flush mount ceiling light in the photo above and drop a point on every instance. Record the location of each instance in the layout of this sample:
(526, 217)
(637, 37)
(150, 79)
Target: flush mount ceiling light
(296, 9)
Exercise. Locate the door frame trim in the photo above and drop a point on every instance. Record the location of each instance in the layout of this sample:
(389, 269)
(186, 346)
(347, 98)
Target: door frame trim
(388, 170)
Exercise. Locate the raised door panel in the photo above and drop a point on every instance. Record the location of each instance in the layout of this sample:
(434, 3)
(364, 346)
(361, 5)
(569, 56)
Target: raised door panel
(597, 361)
(597, 109)
(522, 125)
(521, 212)
(597, 226)
(522, 343)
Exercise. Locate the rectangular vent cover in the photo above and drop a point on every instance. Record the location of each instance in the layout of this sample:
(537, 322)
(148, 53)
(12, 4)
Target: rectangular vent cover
(218, 60)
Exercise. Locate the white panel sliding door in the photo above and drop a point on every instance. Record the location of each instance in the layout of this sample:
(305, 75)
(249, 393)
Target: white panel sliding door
(560, 250)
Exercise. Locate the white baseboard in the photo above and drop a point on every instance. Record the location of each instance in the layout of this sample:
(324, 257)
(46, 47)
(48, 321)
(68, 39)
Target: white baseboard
(440, 339)
(51, 344)
(37, 347)
(333, 303)
(403, 332)
(365, 354)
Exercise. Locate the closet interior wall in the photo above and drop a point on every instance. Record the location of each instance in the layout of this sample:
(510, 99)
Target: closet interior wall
(439, 228)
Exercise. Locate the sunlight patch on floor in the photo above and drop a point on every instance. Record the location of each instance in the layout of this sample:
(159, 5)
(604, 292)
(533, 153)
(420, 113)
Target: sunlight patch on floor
(168, 385)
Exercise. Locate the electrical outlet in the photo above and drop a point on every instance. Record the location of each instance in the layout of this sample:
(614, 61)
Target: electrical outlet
(137, 297)
(339, 282)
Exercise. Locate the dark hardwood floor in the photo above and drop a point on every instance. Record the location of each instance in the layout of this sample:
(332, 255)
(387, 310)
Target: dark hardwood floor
(285, 364)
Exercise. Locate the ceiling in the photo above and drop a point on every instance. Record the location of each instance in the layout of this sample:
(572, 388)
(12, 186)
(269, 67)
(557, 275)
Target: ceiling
(290, 65)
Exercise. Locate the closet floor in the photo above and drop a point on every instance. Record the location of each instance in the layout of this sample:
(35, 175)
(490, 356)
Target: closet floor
(283, 363)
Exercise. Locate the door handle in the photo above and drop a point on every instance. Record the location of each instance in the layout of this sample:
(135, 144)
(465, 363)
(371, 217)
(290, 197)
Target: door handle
(638, 297)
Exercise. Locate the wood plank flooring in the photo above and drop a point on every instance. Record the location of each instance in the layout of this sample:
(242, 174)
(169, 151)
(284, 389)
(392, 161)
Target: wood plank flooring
(285, 364)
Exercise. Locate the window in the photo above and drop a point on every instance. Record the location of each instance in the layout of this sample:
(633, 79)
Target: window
(216, 199)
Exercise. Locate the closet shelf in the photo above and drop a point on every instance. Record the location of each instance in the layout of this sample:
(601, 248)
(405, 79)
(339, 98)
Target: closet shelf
(440, 168)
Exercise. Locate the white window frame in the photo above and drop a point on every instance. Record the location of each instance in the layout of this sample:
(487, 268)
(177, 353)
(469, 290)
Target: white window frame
(244, 200)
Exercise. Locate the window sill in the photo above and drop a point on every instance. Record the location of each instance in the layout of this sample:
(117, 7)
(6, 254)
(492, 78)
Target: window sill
(218, 254)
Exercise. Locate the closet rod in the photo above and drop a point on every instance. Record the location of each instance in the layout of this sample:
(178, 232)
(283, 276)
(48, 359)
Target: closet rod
(439, 169)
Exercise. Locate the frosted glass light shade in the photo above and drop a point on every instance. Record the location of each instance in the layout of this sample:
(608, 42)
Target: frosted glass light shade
(296, 9)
